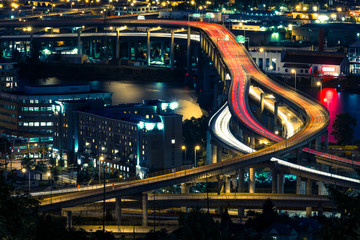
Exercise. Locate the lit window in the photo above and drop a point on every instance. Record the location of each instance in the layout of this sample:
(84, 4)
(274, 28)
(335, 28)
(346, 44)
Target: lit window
(172, 141)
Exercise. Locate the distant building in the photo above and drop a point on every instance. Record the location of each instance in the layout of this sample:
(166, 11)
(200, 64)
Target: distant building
(331, 34)
(121, 10)
(8, 76)
(27, 118)
(135, 137)
(309, 65)
(354, 57)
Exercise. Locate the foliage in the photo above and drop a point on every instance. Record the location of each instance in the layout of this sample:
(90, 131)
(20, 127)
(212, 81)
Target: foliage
(347, 226)
(343, 128)
(199, 226)
(18, 214)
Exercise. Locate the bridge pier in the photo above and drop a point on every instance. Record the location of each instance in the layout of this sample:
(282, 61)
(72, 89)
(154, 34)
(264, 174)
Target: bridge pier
(117, 47)
(206, 70)
(162, 49)
(308, 186)
(318, 143)
(79, 43)
(308, 212)
(148, 48)
(219, 154)
(188, 51)
(172, 57)
(280, 187)
(144, 210)
(326, 141)
(227, 185)
(299, 185)
(251, 180)
(184, 190)
(214, 153)
(68, 219)
(118, 210)
(241, 184)
(274, 176)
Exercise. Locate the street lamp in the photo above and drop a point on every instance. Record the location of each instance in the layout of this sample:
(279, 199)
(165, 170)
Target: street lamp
(100, 159)
(183, 147)
(293, 71)
(24, 171)
(197, 147)
(49, 179)
(104, 206)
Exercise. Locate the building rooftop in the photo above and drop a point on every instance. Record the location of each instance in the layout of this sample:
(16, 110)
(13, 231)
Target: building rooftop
(57, 90)
(313, 57)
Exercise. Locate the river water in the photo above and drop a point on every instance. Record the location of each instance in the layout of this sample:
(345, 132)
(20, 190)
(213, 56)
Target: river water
(132, 92)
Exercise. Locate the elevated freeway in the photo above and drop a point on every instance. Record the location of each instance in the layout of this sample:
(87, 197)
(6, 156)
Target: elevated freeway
(236, 67)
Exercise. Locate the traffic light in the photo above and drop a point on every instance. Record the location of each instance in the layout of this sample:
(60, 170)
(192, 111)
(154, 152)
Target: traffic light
(12, 150)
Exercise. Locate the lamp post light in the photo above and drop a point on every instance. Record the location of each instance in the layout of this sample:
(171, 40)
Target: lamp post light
(104, 204)
(197, 147)
(183, 147)
(100, 159)
(24, 171)
(50, 182)
(293, 71)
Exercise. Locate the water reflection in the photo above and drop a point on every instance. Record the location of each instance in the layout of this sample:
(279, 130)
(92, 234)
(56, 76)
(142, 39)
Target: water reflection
(340, 102)
(132, 92)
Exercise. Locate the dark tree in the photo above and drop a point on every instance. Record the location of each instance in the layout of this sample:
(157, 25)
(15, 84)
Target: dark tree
(199, 226)
(18, 214)
(343, 128)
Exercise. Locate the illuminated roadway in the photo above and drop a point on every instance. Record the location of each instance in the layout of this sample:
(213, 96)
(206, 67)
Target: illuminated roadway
(241, 68)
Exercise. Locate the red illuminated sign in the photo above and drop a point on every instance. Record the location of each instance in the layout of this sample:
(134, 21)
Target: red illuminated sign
(328, 69)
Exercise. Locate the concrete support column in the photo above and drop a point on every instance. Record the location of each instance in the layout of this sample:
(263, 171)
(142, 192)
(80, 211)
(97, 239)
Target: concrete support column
(320, 210)
(216, 98)
(118, 210)
(227, 185)
(322, 189)
(299, 185)
(318, 143)
(188, 51)
(280, 186)
(144, 210)
(79, 44)
(214, 153)
(205, 74)
(251, 180)
(299, 155)
(117, 51)
(172, 52)
(262, 98)
(274, 176)
(308, 212)
(185, 188)
(326, 141)
(162, 54)
(219, 154)
(95, 46)
(276, 110)
(308, 186)
(241, 184)
(252, 142)
(148, 48)
(241, 212)
(68, 219)
(91, 48)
